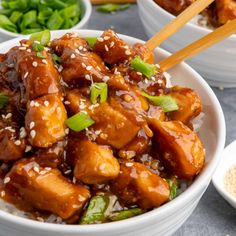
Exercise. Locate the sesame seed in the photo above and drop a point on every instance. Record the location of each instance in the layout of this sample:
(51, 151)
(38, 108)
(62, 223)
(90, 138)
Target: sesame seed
(84, 50)
(22, 132)
(158, 66)
(100, 39)
(81, 47)
(47, 168)
(40, 219)
(28, 50)
(67, 172)
(17, 142)
(32, 133)
(106, 78)
(26, 74)
(28, 148)
(139, 73)
(72, 55)
(112, 44)
(3, 193)
(128, 52)
(106, 38)
(9, 128)
(32, 103)
(83, 65)
(88, 68)
(106, 48)
(102, 167)
(35, 64)
(36, 104)
(22, 48)
(129, 164)
(36, 169)
(60, 69)
(44, 61)
(87, 77)
(32, 124)
(67, 102)
(46, 103)
(6, 180)
(67, 131)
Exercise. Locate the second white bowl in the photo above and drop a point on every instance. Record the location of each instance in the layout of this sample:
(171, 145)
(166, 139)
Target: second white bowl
(217, 64)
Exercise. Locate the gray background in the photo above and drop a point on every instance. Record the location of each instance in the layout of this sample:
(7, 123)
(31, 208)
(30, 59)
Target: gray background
(213, 216)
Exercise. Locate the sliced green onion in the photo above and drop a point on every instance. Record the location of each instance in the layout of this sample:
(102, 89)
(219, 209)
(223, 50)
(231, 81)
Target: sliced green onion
(41, 55)
(98, 90)
(28, 18)
(95, 212)
(79, 122)
(122, 215)
(37, 47)
(139, 65)
(173, 188)
(167, 103)
(55, 21)
(15, 16)
(3, 100)
(91, 41)
(6, 24)
(43, 37)
(111, 7)
(56, 58)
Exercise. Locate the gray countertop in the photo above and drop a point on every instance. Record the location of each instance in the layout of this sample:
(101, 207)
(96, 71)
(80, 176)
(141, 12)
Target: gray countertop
(213, 216)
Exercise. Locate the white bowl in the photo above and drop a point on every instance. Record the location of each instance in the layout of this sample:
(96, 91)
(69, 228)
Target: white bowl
(228, 160)
(216, 64)
(86, 8)
(166, 219)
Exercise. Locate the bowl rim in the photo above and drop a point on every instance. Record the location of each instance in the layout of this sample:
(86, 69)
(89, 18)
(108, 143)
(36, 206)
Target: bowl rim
(201, 29)
(199, 183)
(87, 13)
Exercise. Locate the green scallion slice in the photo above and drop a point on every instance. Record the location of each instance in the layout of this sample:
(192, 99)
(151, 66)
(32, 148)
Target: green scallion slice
(125, 214)
(139, 65)
(56, 58)
(43, 37)
(79, 122)
(167, 103)
(3, 100)
(91, 41)
(98, 90)
(111, 7)
(173, 188)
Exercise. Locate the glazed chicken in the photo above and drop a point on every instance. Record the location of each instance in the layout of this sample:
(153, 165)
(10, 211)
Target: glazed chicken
(82, 124)
(218, 13)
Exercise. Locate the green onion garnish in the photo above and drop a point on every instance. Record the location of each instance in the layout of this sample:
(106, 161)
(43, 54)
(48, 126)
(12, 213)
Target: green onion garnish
(121, 215)
(98, 90)
(95, 212)
(3, 100)
(43, 37)
(173, 188)
(79, 122)
(139, 65)
(111, 7)
(56, 58)
(167, 103)
(37, 47)
(40, 55)
(91, 41)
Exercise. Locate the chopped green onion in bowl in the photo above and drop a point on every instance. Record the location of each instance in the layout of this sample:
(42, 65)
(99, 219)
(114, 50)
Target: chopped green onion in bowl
(79, 122)
(146, 69)
(112, 7)
(30, 16)
(167, 103)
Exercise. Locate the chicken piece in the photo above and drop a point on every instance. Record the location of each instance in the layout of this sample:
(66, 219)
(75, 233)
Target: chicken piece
(78, 68)
(46, 189)
(136, 184)
(39, 76)
(190, 105)
(180, 148)
(114, 128)
(11, 148)
(112, 49)
(45, 121)
(174, 6)
(94, 164)
(69, 41)
(226, 10)
(144, 53)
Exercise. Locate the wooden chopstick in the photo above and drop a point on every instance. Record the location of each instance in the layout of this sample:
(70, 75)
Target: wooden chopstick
(97, 2)
(177, 23)
(198, 46)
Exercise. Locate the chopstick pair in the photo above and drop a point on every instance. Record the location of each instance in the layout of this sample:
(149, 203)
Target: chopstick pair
(195, 47)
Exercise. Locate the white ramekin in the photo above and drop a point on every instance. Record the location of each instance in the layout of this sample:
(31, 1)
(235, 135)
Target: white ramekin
(166, 219)
(86, 8)
(217, 64)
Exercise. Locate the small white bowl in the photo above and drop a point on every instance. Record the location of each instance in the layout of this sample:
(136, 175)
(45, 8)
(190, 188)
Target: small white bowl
(166, 219)
(86, 8)
(228, 160)
(217, 64)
